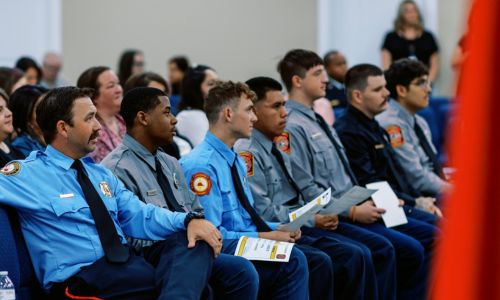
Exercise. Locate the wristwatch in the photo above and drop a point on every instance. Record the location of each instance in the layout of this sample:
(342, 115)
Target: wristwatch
(193, 215)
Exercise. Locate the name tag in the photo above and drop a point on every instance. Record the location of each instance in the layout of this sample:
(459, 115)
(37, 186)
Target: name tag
(152, 193)
(315, 135)
(379, 146)
(64, 196)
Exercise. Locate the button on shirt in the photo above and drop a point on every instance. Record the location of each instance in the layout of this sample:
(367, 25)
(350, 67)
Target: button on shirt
(135, 166)
(273, 194)
(416, 164)
(222, 206)
(369, 151)
(313, 155)
(55, 218)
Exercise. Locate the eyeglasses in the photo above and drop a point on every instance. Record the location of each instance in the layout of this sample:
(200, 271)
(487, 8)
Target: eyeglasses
(423, 83)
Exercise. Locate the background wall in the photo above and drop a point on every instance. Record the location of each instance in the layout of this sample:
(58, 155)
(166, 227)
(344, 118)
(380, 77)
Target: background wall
(239, 39)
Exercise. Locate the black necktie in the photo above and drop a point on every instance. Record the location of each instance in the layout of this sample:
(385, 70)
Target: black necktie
(172, 204)
(428, 150)
(240, 192)
(343, 159)
(115, 251)
(281, 161)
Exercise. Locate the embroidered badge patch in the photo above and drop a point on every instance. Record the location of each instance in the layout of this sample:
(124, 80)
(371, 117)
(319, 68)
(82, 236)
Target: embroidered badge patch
(201, 184)
(105, 189)
(283, 142)
(248, 158)
(11, 169)
(396, 136)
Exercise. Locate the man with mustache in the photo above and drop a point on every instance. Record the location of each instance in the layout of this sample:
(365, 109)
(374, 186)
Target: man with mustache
(410, 136)
(367, 145)
(157, 178)
(75, 215)
(276, 194)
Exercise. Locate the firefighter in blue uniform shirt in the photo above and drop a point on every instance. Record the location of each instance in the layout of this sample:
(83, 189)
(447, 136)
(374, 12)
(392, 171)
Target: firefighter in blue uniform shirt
(217, 175)
(156, 178)
(75, 215)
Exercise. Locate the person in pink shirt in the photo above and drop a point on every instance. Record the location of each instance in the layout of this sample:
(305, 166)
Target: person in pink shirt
(107, 99)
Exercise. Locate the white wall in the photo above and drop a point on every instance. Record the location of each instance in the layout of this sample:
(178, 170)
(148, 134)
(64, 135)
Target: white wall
(29, 27)
(239, 39)
(357, 28)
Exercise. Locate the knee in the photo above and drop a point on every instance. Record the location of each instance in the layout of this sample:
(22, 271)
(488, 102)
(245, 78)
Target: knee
(297, 262)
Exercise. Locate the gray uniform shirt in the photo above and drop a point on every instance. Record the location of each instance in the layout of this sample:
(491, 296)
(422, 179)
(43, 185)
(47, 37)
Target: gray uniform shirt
(313, 156)
(417, 165)
(273, 195)
(135, 166)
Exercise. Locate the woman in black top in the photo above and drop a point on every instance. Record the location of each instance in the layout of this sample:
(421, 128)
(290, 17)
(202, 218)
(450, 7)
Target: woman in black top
(6, 128)
(410, 40)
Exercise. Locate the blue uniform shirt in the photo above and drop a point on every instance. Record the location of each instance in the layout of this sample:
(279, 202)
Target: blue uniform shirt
(208, 169)
(25, 143)
(55, 218)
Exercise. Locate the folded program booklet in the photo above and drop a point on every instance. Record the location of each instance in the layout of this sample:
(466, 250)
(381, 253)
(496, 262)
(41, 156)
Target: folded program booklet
(263, 249)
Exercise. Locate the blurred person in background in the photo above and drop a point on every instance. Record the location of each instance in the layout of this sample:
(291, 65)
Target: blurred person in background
(31, 69)
(11, 79)
(409, 39)
(7, 153)
(107, 99)
(336, 68)
(192, 121)
(177, 68)
(131, 62)
(23, 103)
(51, 71)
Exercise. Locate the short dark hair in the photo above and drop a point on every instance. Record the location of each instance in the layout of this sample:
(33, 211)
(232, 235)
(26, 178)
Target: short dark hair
(326, 57)
(262, 85)
(181, 62)
(191, 94)
(297, 62)
(88, 79)
(403, 72)
(225, 93)
(139, 99)
(57, 105)
(9, 77)
(126, 63)
(356, 77)
(24, 63)
(143, 80)
(22, 102)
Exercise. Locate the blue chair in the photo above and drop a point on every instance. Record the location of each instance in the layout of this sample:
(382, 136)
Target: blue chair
(14, 257)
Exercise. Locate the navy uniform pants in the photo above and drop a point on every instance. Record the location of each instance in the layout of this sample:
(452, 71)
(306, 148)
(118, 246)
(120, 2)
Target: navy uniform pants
(279, 280)
(413, 243)
(352, 264)
(383, 256)
(166, 270)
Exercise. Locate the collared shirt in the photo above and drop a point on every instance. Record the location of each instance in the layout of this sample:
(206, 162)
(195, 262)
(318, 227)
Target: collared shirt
(335, 92)
(400, 123)
(108, 140)
(313, 155)
(58, 227)
(273, 194)
(212, 160)
(135, 166)
(369, 151)
(25, 143)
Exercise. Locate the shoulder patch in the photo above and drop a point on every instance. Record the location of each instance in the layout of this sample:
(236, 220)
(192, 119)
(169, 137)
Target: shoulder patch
(200, 184)
(11, 169)
(283, 142)
(248, 158)
(105, 189)
(396, 136)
